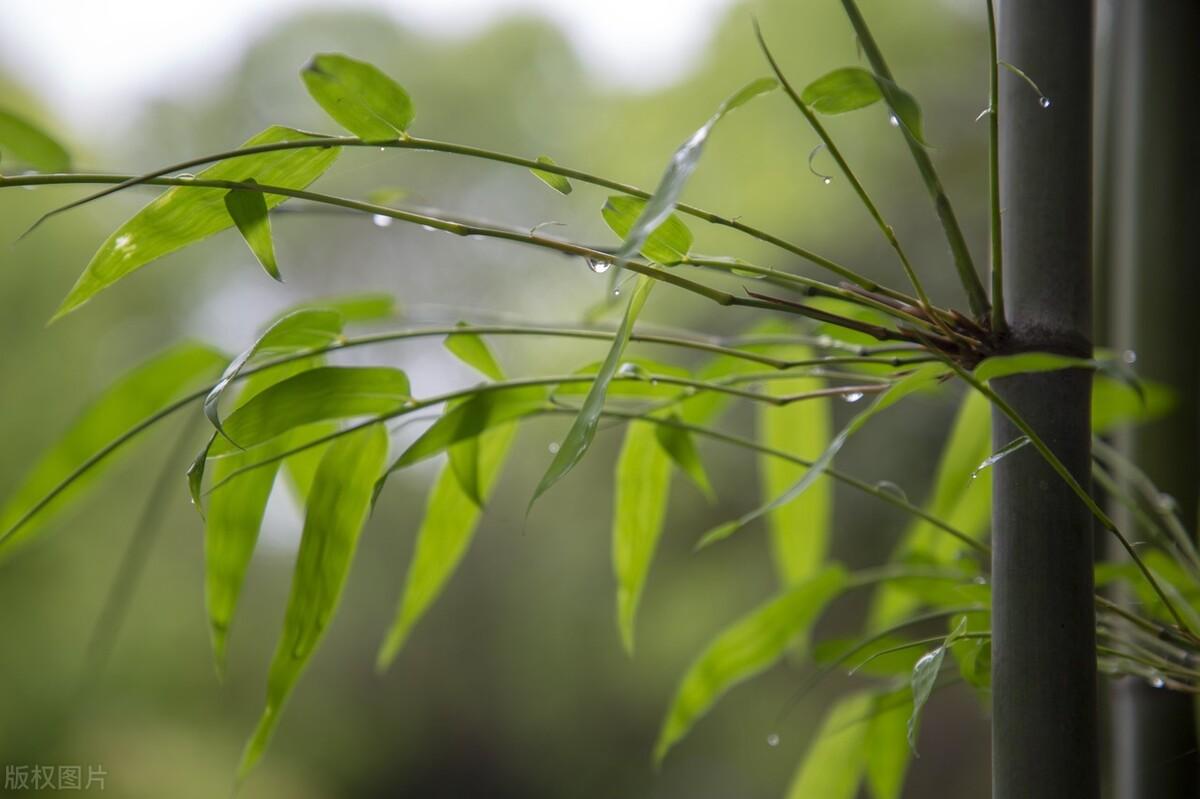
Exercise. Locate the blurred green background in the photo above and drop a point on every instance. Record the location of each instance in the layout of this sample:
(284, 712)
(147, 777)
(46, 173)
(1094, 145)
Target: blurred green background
(515, 685)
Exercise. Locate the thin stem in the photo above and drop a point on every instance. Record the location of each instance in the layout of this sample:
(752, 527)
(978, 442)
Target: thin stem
(999, 323)
(945, 211)
(432, 145)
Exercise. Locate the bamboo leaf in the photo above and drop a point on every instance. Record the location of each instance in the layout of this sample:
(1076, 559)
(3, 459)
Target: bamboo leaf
(583, 429)
(851, 88)
(555, 181)
(316, 395)
(183, 215)
(1028, 363)
(26, 143)
(799, 530)
(478, 414)
(248, 209)
(746, 648)
(451, 517)
(643, 484)
(365, 307)
(956, 498)
(667, 244)
(335, 514)
(834, 765)
(474, 352)
(132, 398)
(679, 444)
(293, 332)
(924, 677)
(235, 514)
(683, 163)
(917, 379)
(887, 747)
(359, 96)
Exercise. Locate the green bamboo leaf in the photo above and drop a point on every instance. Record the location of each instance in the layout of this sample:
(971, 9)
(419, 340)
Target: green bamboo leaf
(474, 352)
(1115, 402)
(478, 414)
(799, 530)
(366, 307)
(683, 163)
(451, 517)
(679, 444)
(555, 181)
(667, 244)
(851, 88)
(1028, 363)
(924, 677)
(299, 330)
(183, 215)
(359, 96)
(918, 379)
(834, 765)
(335, 514)
(316, 395)
(887, 746)
(248, 210)
(235, 514)
(746, 648)
(132, 398)
(26, 143)
(956, 498)
(643, 484)
(583, 429)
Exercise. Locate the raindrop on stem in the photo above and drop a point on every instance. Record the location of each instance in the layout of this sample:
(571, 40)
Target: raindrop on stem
(381, 220)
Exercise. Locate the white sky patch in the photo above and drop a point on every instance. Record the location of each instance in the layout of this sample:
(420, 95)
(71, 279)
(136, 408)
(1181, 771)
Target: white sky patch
(90, 59)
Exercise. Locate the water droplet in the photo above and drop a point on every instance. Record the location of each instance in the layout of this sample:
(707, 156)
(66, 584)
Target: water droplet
(827, 180)
(553, 447)
(383, 149)
(773, 739)
(185, 176)
(430, 228)
(381, 220)
(825, 342)
(1044, 101)
(630, 369)
(893, 121)
(1157, 681)
(1166, 503)
(1129, 357)
(853, 396)
(598, 266)
(123, 241)
(617, 291)
(887, 486)
(980, 580)
(983, 113)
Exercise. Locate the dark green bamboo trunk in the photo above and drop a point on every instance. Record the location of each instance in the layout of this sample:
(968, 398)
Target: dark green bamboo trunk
(1044, 743)
(1154, 214)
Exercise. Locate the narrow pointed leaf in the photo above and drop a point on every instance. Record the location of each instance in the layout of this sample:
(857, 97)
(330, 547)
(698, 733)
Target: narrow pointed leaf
(924, 677)
(446, 532)
(1000, 454)
(248, 210)
(480, 413)
(335, 514)
(887, 746)
(359, 96)
(683, 163)
(297, 331)
(26, 143)
(132, 398)
(183, 215)
(799, 530)
(474, 352)
(834, 764)
(667, 244)
(851, 88)
(639, 507)
(583, 430)
(316, 395)
(679, 444)
(916, 380)
(746, 648)
(555, 181)
(1028, 363)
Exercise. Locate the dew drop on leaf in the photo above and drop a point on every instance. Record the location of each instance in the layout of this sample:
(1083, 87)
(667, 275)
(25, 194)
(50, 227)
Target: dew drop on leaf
(553, 447)
(1044, 101)
(381, 221)
(598, 266)
(773, 739)
(893, 121)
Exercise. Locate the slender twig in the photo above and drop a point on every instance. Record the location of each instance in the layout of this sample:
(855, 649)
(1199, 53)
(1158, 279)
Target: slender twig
(999, 323)
(945, 211)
